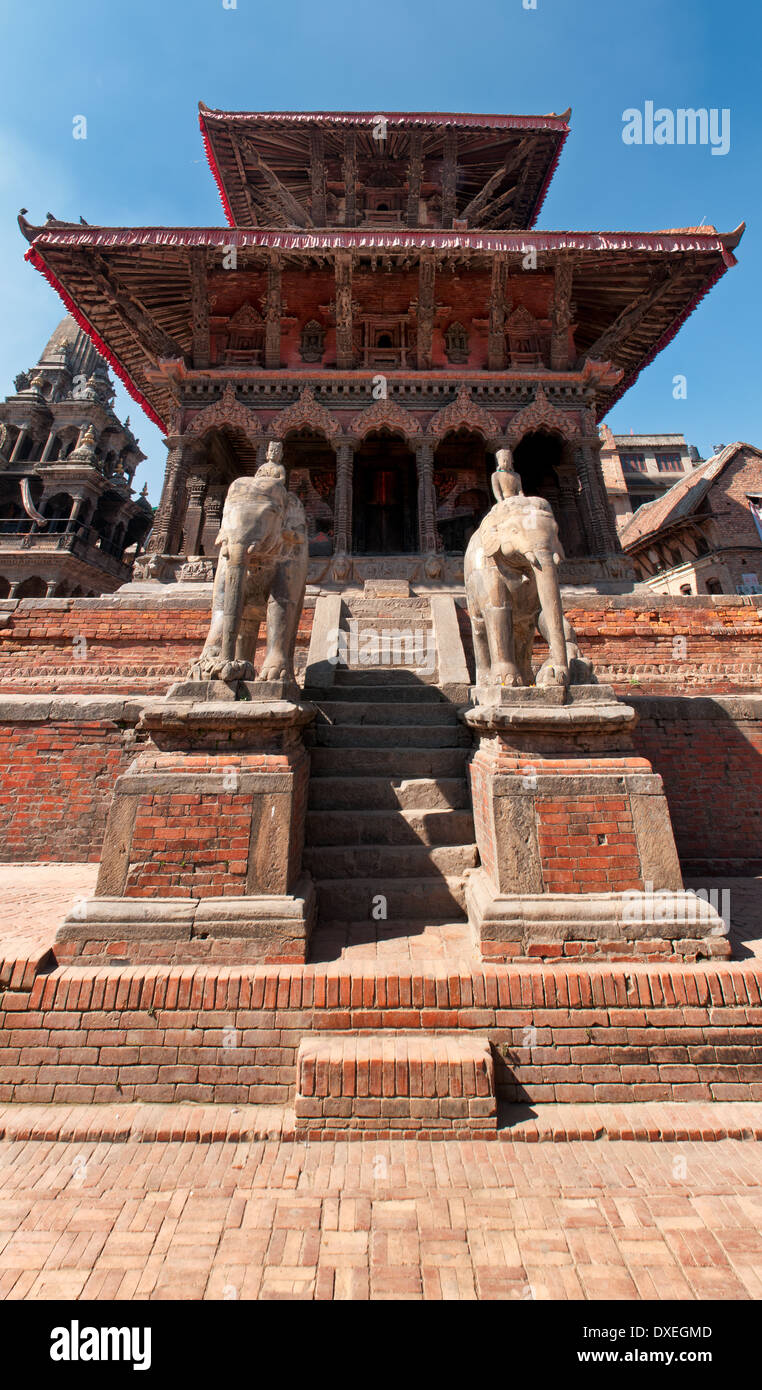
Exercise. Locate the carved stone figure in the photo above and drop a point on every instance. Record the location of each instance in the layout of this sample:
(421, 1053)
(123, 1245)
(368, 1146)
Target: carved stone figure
(512, 587)
(262, 570)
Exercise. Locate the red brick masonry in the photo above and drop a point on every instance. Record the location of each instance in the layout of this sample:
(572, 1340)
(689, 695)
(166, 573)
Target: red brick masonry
(561, 1033)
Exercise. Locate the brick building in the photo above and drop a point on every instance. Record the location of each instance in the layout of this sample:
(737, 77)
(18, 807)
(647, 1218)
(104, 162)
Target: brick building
(69, 524)
(703, 536)
(638, 468)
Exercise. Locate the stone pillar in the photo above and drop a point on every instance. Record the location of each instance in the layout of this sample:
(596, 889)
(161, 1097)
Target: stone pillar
(51, 587)
(13, 588)
(427, 507)
(167, 527)
(195, 489)
(342, 501)
(213, 504)
(21, 439)
(599, 517)
(49, 442)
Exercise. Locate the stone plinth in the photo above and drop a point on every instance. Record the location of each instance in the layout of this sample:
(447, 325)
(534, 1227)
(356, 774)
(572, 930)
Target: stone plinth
(577, 851)
(202, 854)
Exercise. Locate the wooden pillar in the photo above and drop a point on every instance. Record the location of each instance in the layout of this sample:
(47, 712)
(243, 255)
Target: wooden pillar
(273, 313)
(414, 173)
(496, 330)
(572, 527)
(427, 503)
(426, 281)
(199, 306)
(213, 504)
(317, 177)
(561, 315)
(349, 174)
(345, 352)
(449, 177)
(342, 502)
(596, 508)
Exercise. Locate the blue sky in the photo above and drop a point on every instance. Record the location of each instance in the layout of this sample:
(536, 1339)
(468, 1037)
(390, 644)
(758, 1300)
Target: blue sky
(137, 71)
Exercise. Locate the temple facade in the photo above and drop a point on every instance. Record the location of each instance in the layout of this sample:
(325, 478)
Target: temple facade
(381, 305)
(69, 524)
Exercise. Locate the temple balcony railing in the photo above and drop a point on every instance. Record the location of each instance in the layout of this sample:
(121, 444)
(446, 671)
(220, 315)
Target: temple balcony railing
(81, 541)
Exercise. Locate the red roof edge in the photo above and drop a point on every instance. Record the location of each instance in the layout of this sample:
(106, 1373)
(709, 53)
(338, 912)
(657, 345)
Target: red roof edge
(542, 195)
(34, 257)
(213, 165)
(729, 260)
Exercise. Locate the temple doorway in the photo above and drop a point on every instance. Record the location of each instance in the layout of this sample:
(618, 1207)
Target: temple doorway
(310, 464)
(462, 468)
(384, 511)
(545, 463)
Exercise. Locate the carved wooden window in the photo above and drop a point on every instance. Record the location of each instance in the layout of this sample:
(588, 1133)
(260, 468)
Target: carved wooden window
(245, 337)
(524, 339)
(456, 343)
(313, 341)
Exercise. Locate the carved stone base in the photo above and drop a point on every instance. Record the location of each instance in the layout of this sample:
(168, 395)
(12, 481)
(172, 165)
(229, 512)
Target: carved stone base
(576, 844)
(257, 929)
(582, 926)
(204, 838)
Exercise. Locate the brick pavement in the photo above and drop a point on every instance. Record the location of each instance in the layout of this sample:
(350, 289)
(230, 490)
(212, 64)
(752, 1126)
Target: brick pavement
(465, 1220)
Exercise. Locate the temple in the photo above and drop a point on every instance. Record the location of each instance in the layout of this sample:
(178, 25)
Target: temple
(69, 524)
(381, 305)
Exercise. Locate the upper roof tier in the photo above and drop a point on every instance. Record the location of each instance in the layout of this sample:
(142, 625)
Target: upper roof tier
(396, 169)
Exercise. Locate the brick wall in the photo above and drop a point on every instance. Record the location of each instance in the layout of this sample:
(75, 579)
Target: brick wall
(563, 1033)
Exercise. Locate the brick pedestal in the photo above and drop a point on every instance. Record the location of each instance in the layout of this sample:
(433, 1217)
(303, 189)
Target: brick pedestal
(576, 844)
(202, 855)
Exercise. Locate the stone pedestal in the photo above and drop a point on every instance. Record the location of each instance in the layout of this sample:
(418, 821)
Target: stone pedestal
(202, 855)
(574, 833)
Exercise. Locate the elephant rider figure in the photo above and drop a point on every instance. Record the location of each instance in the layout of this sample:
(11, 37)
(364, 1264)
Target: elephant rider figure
(512, 587)
(262, 571)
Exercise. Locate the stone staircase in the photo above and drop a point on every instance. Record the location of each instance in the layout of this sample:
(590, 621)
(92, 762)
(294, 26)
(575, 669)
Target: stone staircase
(389, 833)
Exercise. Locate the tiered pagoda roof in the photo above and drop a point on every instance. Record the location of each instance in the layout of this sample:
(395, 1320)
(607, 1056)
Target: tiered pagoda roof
(146, 295)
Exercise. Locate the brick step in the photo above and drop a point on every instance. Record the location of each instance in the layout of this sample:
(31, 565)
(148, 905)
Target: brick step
(389, 861)
(398, 827)
(391, 762)
(402, 736)
(386, 712)
(388, 793)
(435, 899)
(415, 694)
(371, 1081)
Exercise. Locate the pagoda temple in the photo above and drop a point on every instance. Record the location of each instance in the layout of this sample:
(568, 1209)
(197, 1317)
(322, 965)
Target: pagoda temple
(381, 304)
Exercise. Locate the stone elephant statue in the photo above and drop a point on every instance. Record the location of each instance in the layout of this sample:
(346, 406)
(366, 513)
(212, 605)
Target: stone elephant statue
(262, 572)
(512, 588)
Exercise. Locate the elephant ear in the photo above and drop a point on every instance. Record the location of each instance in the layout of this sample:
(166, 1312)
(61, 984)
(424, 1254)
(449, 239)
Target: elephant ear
(490, 536)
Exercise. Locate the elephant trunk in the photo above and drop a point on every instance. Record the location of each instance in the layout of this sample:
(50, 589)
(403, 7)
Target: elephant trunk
(235, 587)
(549, 592)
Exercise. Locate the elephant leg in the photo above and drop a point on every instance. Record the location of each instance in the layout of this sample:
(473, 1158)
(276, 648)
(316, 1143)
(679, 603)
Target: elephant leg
(551, 672)
(524, 643)
(283, 610)
(246, 646)
(481, 650)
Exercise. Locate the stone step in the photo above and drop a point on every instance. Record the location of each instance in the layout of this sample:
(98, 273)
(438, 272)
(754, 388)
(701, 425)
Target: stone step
(417, 621)
(388, 861)
(388, 793)
(402, 736)
(409, 899)
(397, 827)
(381, 675)
(416, 694)
(405, 763)
(385, 712)
(377, 1081)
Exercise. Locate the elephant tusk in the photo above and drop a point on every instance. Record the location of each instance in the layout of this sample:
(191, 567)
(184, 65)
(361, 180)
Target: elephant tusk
(556, 558)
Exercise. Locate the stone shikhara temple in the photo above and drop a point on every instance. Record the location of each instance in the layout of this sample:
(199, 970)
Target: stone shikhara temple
(467, 736)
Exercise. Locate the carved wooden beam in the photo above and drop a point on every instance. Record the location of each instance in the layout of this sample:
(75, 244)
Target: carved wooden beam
(152, 339)
(247, 192)
(426, 309)
(273, 313)
(414, 173)
(317, 177)
(496, 330)
(449, 177)
(483, 199)
(290, 205)
(349, 174)
(604, 348)
(199, 306)
(345, 351)
(561, 314)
